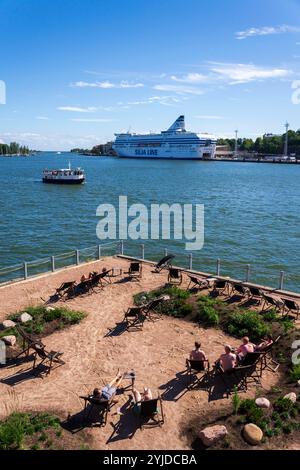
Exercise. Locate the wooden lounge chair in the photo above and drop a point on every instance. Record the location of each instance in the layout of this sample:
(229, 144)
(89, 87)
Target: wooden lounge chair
(271, 302)
(64, 288)
(290, 307)
(164, 263)
(99, 280)
(239, 289)
(255, 294)
(153, 307)
(103, 408)
(84, 287)
(193, 369)
(134, 318)
(197, 283)
(220, 287)
(135, 270)
(174, 277)
(48, 358)
(268, 361)
(29, 341)
(151, 412)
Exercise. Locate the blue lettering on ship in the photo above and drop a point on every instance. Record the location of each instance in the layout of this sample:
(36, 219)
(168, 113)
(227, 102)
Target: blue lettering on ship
(143, 152)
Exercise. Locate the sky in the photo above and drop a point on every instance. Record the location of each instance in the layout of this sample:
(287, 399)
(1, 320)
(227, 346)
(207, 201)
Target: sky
(77, 71)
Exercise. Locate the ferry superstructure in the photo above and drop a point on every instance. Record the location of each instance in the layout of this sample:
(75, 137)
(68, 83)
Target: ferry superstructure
(175, 143)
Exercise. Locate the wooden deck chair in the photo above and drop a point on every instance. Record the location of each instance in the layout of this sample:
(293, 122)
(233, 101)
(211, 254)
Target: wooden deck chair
(193, 369)
(151, 412)
(48, 359)
(239, 289)
(165, 262)
(197, 283)
(154, 307)
(103, 408)
(28, 341)
(135, 270)
(255, 294)
(63, 288)
(269, 302)
(174, 277)
(84, 287)
(134, 318)
(220, 287)
(268, 360)
(290, 307)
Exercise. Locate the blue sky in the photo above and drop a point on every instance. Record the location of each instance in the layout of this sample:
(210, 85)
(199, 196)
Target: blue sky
(76, 71)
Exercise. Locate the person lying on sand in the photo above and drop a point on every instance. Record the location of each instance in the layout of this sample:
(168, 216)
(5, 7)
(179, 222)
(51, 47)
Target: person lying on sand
(197, 354)
(109, 390)
(226, 361)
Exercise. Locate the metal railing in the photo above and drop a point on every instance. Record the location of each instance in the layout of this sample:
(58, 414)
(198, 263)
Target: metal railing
(192, 261)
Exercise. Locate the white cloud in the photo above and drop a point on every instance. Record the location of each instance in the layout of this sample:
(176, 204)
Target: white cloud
(208, 116)
(192, 78)
(180, 89)
(77, 109)
(243, 73)
(266, 31)
(42, 118)
(92, 120)
(107, 84)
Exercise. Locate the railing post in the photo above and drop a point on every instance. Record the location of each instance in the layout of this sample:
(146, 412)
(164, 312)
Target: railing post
(281, 280)
(218, 266)
(53, 263)
(190, 260)
(25, 270)
(77, 257)
(248, 273)
(166, 251)
(121, 247)
(143, 251)
(99, 251)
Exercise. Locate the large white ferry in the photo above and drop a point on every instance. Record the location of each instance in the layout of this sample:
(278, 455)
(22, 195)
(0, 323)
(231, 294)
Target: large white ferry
(176, 143)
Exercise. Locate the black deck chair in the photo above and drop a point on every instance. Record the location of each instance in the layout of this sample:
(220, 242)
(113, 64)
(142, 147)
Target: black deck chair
(239, 289)
(164, 263)
(268, 361)
(134, 318)
(290, 307)
(269, 301)
(255, 294)
(220, 287)
(28, 341)
(175, 276)
(135, 270)
(193, 369)
(48, 358)
(197, 283)
(153, 307)
(151, 412)
(102, 406)
(83, 287)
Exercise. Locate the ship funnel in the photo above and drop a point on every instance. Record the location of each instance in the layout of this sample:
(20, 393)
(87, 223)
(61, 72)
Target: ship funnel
(178, 125)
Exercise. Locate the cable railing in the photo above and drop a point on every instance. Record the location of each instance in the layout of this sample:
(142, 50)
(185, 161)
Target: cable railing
(242, 271)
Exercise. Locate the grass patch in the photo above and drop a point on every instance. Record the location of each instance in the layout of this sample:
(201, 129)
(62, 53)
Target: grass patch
(246, 323)
(177, 306)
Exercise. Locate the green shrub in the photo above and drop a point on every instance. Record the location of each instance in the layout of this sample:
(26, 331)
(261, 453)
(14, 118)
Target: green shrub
(236, 401)
(253, 413)
(246, 323)
(271, 316)
(294, 373)
(208, 315)
(283, 405)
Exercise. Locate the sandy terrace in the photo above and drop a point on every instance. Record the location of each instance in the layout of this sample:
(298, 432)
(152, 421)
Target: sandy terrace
(157, 354)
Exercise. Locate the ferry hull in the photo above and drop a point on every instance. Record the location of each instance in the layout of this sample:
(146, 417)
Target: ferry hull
(52, 181)
(154, 154)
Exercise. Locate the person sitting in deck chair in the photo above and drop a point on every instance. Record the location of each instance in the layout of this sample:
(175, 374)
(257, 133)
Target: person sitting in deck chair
(227, 360)
(245, 348)
(267, 341)
(197, 354)
(139, 397)
(92, 274)
(109, 390)
(83, 278)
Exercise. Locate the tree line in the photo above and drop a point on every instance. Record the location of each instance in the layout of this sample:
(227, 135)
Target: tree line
(13, 149)
(268, 144)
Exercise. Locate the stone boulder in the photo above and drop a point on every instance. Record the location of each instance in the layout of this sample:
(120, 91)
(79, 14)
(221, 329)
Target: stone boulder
(291, 396)
(7, 324)
(49, 309)
(252, 434)
(262, 402)
(212, 434)
(9, 340)
(25, 317)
